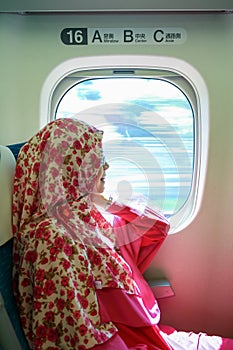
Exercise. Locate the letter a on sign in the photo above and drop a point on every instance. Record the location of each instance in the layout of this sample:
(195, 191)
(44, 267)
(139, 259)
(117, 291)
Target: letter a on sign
(96, 36)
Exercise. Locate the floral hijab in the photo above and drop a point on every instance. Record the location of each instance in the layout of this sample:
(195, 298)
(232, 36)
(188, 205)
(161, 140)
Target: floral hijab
(63, 247)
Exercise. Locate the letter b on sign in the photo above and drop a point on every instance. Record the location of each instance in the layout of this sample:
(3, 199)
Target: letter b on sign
(128, 36)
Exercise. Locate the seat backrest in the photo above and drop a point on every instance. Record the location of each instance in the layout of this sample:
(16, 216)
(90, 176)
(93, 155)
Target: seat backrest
(11, 334)
(7, 169)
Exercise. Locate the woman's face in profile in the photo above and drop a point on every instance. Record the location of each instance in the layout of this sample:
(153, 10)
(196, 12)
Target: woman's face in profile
(100, 180)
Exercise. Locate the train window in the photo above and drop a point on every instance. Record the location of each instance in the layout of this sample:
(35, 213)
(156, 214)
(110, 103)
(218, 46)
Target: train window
(151, 123)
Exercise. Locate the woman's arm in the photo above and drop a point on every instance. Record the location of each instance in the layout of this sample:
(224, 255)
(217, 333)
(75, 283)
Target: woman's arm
(139, 236)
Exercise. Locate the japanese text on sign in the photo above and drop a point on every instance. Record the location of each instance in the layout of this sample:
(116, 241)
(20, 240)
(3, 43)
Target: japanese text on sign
(112, 36)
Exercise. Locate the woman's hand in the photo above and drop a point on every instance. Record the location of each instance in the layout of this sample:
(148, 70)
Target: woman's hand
(99, 199)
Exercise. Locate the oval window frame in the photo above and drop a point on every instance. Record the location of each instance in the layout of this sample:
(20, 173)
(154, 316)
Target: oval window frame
(195, 89)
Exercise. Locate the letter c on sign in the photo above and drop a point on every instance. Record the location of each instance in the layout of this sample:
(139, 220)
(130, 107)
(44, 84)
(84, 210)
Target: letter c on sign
(158, 35)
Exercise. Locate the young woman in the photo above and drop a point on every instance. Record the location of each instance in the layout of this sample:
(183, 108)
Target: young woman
(78, 280)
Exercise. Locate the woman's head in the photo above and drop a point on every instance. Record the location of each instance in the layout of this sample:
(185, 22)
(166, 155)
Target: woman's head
(59, 164)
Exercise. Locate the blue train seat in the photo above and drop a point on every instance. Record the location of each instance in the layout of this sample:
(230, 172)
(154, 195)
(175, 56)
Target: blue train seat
(11, 334)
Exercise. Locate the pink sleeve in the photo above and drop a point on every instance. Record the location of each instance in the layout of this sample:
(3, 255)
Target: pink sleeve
(139, 236)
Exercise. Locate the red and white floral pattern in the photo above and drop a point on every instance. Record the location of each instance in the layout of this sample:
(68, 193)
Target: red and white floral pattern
(60, 257)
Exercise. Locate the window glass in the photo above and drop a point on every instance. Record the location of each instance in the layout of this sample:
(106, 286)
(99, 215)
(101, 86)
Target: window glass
(148, 128)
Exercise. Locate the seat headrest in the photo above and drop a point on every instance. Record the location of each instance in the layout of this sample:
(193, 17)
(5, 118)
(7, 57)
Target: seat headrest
(7, 171)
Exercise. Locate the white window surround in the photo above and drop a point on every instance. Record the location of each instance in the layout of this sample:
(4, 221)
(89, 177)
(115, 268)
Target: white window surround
(180, 220)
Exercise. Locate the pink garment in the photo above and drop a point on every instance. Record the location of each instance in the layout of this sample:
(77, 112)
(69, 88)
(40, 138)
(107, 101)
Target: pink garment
(138, 253)
(143, 236)
(116, 343)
